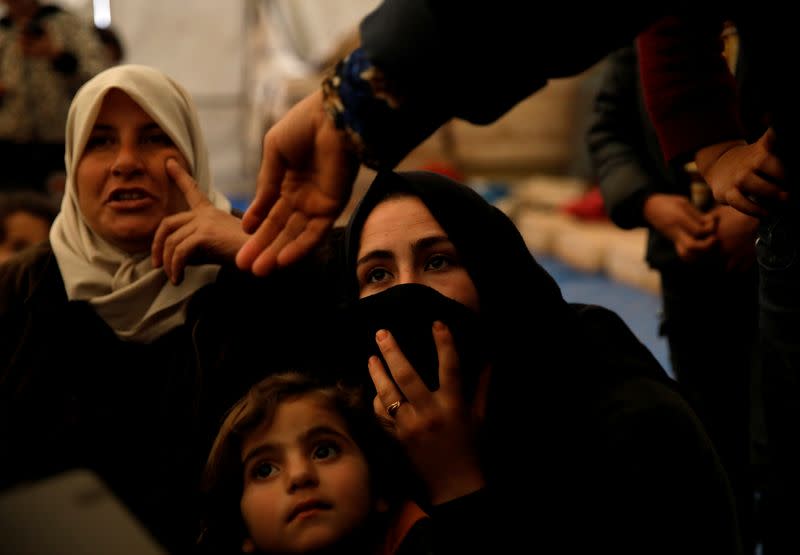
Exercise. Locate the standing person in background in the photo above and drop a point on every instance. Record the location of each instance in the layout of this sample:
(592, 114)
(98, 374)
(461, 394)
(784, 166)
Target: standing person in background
(706, 258)
(46, 54)
(743, 140)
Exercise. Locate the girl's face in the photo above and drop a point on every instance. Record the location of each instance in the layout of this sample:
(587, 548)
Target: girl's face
(122, 184)
(402, 242)
(306, 482)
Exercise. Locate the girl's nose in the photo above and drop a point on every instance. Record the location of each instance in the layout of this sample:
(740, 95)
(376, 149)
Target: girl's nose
(301, 473)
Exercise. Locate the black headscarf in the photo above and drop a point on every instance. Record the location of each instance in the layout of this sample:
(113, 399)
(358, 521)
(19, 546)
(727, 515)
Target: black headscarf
(529, 324)
(553, 362)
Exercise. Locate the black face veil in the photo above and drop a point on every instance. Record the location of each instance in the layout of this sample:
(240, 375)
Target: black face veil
(510, 283)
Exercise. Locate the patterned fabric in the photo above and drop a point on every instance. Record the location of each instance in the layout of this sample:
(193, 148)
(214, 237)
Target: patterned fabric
(359, 99)
(38, 91)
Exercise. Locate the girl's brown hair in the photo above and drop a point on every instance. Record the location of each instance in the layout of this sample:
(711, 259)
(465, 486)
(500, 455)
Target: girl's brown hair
(223, 528)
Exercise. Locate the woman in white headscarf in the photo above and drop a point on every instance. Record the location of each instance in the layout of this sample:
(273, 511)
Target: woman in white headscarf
(126, 335)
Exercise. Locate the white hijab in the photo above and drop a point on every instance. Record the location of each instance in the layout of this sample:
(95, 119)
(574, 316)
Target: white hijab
(135, 299)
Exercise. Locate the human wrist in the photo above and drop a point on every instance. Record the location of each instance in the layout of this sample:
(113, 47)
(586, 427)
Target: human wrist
(361, 103)
(649, 206)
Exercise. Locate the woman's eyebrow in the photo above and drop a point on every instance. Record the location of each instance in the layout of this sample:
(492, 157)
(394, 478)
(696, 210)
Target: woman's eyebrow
(378, 254)
(428, 242)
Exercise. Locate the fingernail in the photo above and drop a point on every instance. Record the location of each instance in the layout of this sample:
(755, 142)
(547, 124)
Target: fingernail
(438, 326)
(381, 335)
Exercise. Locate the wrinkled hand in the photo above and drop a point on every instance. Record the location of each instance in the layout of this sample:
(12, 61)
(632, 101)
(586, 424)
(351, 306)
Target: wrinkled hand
(305, 180)
(675, 217)
(204, 234)
(736, 233)
(748, 177)
(438, 429)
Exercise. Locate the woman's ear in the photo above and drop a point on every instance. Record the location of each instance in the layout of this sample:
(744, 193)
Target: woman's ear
(248, 546)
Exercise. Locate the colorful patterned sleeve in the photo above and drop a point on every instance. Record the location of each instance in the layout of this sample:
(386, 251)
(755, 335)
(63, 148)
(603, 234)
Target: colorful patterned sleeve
(380, 125)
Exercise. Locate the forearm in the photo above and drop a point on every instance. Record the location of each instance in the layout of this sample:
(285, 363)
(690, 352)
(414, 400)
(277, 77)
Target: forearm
(617, 143)
(459, 61)
(706, 157)
(624, 182)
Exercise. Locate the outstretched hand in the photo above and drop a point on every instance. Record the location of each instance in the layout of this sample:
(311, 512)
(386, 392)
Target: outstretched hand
(204, 234)
(305, 180)
(439, 428)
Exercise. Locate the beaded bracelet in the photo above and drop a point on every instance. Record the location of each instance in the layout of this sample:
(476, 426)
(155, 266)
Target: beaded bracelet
(357, 97)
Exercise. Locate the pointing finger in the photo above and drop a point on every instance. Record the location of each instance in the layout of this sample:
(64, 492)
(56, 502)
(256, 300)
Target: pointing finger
(185, 183)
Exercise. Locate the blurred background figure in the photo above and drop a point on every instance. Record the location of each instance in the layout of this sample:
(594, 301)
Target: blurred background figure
(705, 256)
(112, 42)
(25, 220)
(46, 53)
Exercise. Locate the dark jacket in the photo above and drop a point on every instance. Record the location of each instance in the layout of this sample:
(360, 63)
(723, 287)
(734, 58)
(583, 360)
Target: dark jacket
(627, 156)
(142, 416)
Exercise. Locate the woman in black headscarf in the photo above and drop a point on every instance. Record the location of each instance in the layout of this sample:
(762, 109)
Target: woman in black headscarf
(584, 442)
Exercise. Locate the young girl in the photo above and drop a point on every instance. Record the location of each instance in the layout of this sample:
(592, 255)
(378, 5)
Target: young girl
(301, 465)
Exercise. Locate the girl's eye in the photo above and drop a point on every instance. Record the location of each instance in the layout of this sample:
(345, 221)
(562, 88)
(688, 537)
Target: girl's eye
(437, 262)
(263, 470)
(377, 275)
(326, 451)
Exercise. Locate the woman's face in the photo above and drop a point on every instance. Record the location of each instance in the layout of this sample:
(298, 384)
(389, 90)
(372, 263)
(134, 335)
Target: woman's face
(122, 184)
(401, 242)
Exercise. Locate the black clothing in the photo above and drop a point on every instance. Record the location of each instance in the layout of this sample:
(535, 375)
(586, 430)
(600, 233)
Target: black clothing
(709, 314)
(143, 416)
(584, 430)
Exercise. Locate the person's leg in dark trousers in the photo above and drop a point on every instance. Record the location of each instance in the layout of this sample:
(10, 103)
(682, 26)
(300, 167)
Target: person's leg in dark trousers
(710, 322)
(779, 321)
